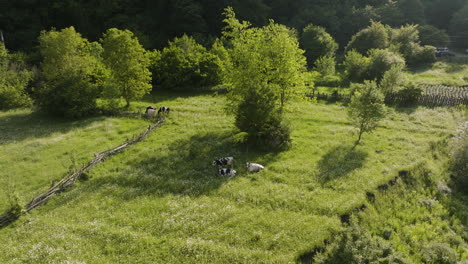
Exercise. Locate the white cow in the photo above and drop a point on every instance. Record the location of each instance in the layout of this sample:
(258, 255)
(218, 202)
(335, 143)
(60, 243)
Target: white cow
(254, 167)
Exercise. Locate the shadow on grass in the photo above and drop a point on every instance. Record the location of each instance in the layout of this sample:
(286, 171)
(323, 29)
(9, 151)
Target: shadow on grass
(339, 162)
(184, 169)
(17, 127)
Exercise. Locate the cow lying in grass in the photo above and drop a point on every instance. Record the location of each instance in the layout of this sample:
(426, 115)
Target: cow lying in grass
(224, 162)
(254, 167)
(227, 172)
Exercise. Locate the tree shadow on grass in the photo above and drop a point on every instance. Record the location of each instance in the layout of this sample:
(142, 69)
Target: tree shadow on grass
(184, 169)
(339, 162)
(17, 127)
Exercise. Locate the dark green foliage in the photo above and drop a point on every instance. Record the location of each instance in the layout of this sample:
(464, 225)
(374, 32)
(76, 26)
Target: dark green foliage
(440, 253)
(14, 79)
(262, 121)
(71, 74)
(410, 94)
(458, 27)
(185, 63)
(381, 61)
(430, 35)
(329, 81)
(356, 245)
(356, 66)
(317, 43)
(405, 40)
(373, 37)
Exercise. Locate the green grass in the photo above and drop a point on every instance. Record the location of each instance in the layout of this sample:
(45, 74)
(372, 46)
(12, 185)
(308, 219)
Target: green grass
(441, 73)
(161, 201)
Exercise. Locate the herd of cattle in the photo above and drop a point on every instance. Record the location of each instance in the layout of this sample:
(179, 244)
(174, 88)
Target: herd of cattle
(222, 162)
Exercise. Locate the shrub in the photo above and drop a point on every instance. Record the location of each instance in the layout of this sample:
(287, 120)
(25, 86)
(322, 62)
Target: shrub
(392, 80)
(382, 61)
(425, 54)
(439, 253)
(410, 94)
(317, 43)
(325, 65)
(14, 79)
(186, 63)
(373, 37)
(71, 81)
(356, 66)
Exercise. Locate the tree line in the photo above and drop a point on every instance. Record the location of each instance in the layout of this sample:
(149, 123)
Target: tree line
(262, 68)
(155, 22)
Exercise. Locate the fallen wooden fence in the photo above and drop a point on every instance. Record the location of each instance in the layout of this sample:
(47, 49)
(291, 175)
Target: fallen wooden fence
(70, 179)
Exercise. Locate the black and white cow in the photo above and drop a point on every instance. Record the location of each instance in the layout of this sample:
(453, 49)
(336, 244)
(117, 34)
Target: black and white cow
(164, 110)
(150, 111)
(254, 167)
(227, 172)
(224, 161)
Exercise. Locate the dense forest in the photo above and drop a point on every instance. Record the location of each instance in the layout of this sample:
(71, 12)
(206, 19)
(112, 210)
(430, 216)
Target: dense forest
(157, 21)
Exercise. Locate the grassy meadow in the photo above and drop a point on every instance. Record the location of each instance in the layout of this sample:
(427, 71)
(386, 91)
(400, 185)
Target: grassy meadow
(442, 72)
(161, 200)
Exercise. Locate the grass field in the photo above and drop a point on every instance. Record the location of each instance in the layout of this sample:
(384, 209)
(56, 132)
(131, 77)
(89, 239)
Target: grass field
(161, 201)
(441, 73)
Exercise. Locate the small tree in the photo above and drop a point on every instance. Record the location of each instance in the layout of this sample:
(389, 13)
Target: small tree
(392, 80)
(366, 108)
(373, 37)
(128, 62)
(70, 86)
(317, 43)
(267, 68)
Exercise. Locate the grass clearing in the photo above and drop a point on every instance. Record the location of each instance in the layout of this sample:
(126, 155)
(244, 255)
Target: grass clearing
(161, 201)
(441, 73)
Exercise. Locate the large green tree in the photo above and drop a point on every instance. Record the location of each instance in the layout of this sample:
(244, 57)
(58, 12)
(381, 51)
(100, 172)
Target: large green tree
(128, 62)
(70, 74)
(267, 68)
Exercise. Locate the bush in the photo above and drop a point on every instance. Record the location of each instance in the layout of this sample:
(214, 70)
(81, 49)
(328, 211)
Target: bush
(356, 66)
(317, 43)
(14, 79)
(185, 63)
(325, 65)
(373, 37)
(382, 61)
(423, 55)
(71, 74)
(409, 95)
(430, 35)
(439, 253)
(264, 127)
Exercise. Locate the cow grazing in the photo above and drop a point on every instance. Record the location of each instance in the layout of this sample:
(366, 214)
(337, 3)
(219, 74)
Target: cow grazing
(164, 110)
(254, 167)
(223, 161)
(227, 172)
(150, 111)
